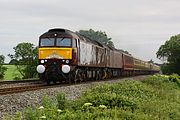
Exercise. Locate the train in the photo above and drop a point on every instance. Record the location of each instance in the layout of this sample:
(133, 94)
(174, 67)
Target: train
(66, 56)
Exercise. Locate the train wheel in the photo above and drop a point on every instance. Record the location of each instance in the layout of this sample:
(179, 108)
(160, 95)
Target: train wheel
(77, 76)
(48, 81)
(98, 75)
(83, 76)
(104, 74)
(70, 78)
(54, 81)
(74, 78)
(109, 74)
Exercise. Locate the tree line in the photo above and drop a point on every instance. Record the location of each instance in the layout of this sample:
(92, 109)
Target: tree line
(169, 53)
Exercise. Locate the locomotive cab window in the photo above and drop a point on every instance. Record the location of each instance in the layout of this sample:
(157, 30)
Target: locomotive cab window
(47, 42)
(59, 42)
(63, 42)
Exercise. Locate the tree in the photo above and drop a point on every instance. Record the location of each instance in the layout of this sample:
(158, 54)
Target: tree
(25, 58)
(13, 62)
(124, 51)
(2, 68)
(170, 53)
(151, 61)
(98, 36)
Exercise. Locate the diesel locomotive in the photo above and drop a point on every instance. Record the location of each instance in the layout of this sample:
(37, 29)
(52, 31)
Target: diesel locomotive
(66, 56)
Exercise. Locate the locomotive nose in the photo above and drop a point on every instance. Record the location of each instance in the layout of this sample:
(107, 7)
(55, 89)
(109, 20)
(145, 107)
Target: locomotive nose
(40, 68)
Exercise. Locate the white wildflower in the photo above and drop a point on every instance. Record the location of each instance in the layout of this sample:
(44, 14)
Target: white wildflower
(166, 76)
(59, 110)
(102, 106)
(41, 107)
(43, 117)
(87, 104)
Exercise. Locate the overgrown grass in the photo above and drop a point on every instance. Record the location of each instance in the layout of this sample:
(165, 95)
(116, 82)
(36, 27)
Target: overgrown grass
(11, 73)
(157, 97)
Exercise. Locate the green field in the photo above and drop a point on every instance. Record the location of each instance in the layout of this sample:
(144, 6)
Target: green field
(11, 72)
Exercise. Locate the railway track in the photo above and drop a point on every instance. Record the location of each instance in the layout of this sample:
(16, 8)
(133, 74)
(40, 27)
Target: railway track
(18, 89)
(12, 90)
(29, 87)
(18, 81)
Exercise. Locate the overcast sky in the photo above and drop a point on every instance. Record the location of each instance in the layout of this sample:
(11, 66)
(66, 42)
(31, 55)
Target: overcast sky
(138, 26)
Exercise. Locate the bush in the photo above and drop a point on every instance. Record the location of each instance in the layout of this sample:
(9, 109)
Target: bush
(2, 71)
(48, 103)
(61, 101)
(125, 95)
(175, 78)
(2, 68)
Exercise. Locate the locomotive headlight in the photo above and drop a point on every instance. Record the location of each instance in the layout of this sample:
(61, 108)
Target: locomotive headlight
(42, 61)
(40, 68)
(67, 61)
(66, 68)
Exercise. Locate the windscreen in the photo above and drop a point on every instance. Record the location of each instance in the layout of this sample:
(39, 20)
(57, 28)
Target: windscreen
(63, 42)
(59, 42)
(47, 42)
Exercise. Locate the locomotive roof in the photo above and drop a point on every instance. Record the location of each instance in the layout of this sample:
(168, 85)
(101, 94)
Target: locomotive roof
(58, 31)
(72, 34)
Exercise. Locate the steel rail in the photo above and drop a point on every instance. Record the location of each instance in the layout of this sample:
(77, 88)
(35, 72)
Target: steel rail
(12, 90)
(18, 81)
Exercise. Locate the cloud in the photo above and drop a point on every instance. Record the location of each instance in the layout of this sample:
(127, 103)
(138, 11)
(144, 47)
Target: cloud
(133, 25)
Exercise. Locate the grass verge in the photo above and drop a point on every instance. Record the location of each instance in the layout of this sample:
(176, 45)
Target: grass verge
(11, 72)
